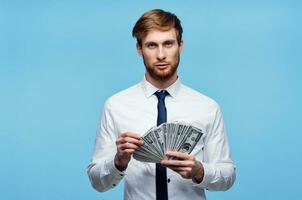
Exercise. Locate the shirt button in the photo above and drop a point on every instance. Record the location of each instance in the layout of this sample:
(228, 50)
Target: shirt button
(168, 180)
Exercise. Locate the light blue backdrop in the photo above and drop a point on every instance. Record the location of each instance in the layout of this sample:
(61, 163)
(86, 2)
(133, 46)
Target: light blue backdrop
(60, 60)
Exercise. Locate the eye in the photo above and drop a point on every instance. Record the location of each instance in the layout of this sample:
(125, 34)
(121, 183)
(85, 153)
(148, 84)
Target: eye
(151, 45)
(168, 44)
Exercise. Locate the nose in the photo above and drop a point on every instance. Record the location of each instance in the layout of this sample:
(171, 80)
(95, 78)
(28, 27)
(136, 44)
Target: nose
(161, 54)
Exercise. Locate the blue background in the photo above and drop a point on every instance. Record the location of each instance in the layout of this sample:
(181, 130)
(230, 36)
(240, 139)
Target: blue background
(60, 60)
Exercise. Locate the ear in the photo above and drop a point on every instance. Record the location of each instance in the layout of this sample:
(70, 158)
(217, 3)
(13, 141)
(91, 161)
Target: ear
(181, 45)
(139, 49)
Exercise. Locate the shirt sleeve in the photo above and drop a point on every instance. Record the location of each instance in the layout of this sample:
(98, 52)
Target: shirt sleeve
(219, 170)
(102, 172)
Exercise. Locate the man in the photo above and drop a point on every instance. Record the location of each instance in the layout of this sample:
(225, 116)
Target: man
(130, 113)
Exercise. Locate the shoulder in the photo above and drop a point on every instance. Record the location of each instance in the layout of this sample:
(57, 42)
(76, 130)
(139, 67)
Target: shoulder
(193, 95)
(123, 96)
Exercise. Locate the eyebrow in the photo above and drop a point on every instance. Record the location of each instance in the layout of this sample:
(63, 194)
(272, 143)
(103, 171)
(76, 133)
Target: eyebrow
(164, 42)
(150, 42)
(169, 41)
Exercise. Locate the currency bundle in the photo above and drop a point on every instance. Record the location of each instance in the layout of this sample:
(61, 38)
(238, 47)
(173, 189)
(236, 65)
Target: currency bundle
(173, 136)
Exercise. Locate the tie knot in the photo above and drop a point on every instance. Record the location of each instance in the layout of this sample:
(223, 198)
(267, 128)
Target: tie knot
(161, 94)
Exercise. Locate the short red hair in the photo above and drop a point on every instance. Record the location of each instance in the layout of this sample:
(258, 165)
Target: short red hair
(156, 19)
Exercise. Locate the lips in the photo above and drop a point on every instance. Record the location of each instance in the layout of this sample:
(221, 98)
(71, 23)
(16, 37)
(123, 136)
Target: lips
(161, 65)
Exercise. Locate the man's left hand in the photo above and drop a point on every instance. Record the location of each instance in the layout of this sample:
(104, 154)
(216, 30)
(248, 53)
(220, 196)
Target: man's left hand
(185, 165)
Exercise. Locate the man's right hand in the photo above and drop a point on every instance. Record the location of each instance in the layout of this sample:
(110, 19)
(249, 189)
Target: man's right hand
(126, 144)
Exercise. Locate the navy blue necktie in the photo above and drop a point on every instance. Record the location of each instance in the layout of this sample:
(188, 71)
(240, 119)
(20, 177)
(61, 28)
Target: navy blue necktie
(161, 172)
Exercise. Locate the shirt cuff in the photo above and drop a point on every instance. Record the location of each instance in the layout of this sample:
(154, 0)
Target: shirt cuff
(113, 170)
(207, 177)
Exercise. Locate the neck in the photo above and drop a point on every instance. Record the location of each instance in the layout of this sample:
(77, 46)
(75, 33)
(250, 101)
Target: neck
(161, 84)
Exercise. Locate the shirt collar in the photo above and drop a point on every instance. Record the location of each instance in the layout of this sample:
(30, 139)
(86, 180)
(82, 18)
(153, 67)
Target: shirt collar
(150, 89)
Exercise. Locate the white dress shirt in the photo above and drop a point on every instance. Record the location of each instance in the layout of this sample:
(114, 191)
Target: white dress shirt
(135, 110)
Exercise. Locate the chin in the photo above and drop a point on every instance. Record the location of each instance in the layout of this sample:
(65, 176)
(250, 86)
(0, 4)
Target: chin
(163, 75)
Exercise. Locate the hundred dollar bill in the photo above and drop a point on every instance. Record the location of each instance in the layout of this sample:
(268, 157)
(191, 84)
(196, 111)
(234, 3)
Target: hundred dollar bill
(174, 136)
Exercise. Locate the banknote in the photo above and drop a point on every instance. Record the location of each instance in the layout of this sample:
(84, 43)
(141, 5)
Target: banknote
(172, 136)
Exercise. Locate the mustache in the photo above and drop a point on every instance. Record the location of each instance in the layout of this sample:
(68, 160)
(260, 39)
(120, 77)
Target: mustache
(161, 63)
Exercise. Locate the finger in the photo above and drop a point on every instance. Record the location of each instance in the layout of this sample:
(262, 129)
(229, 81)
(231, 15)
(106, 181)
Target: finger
(177, 163)
(128, 146)
(129, 151)
(130, 134)
(179, 155)
(126, 152)
(122, 140)
(184, 173)
(133, 140)
(179, 169)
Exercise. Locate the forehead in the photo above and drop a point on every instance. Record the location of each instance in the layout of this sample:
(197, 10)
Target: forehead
(158, 36)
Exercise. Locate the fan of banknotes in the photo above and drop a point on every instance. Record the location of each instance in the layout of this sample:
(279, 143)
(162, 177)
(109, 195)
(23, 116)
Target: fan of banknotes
(173, 136)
